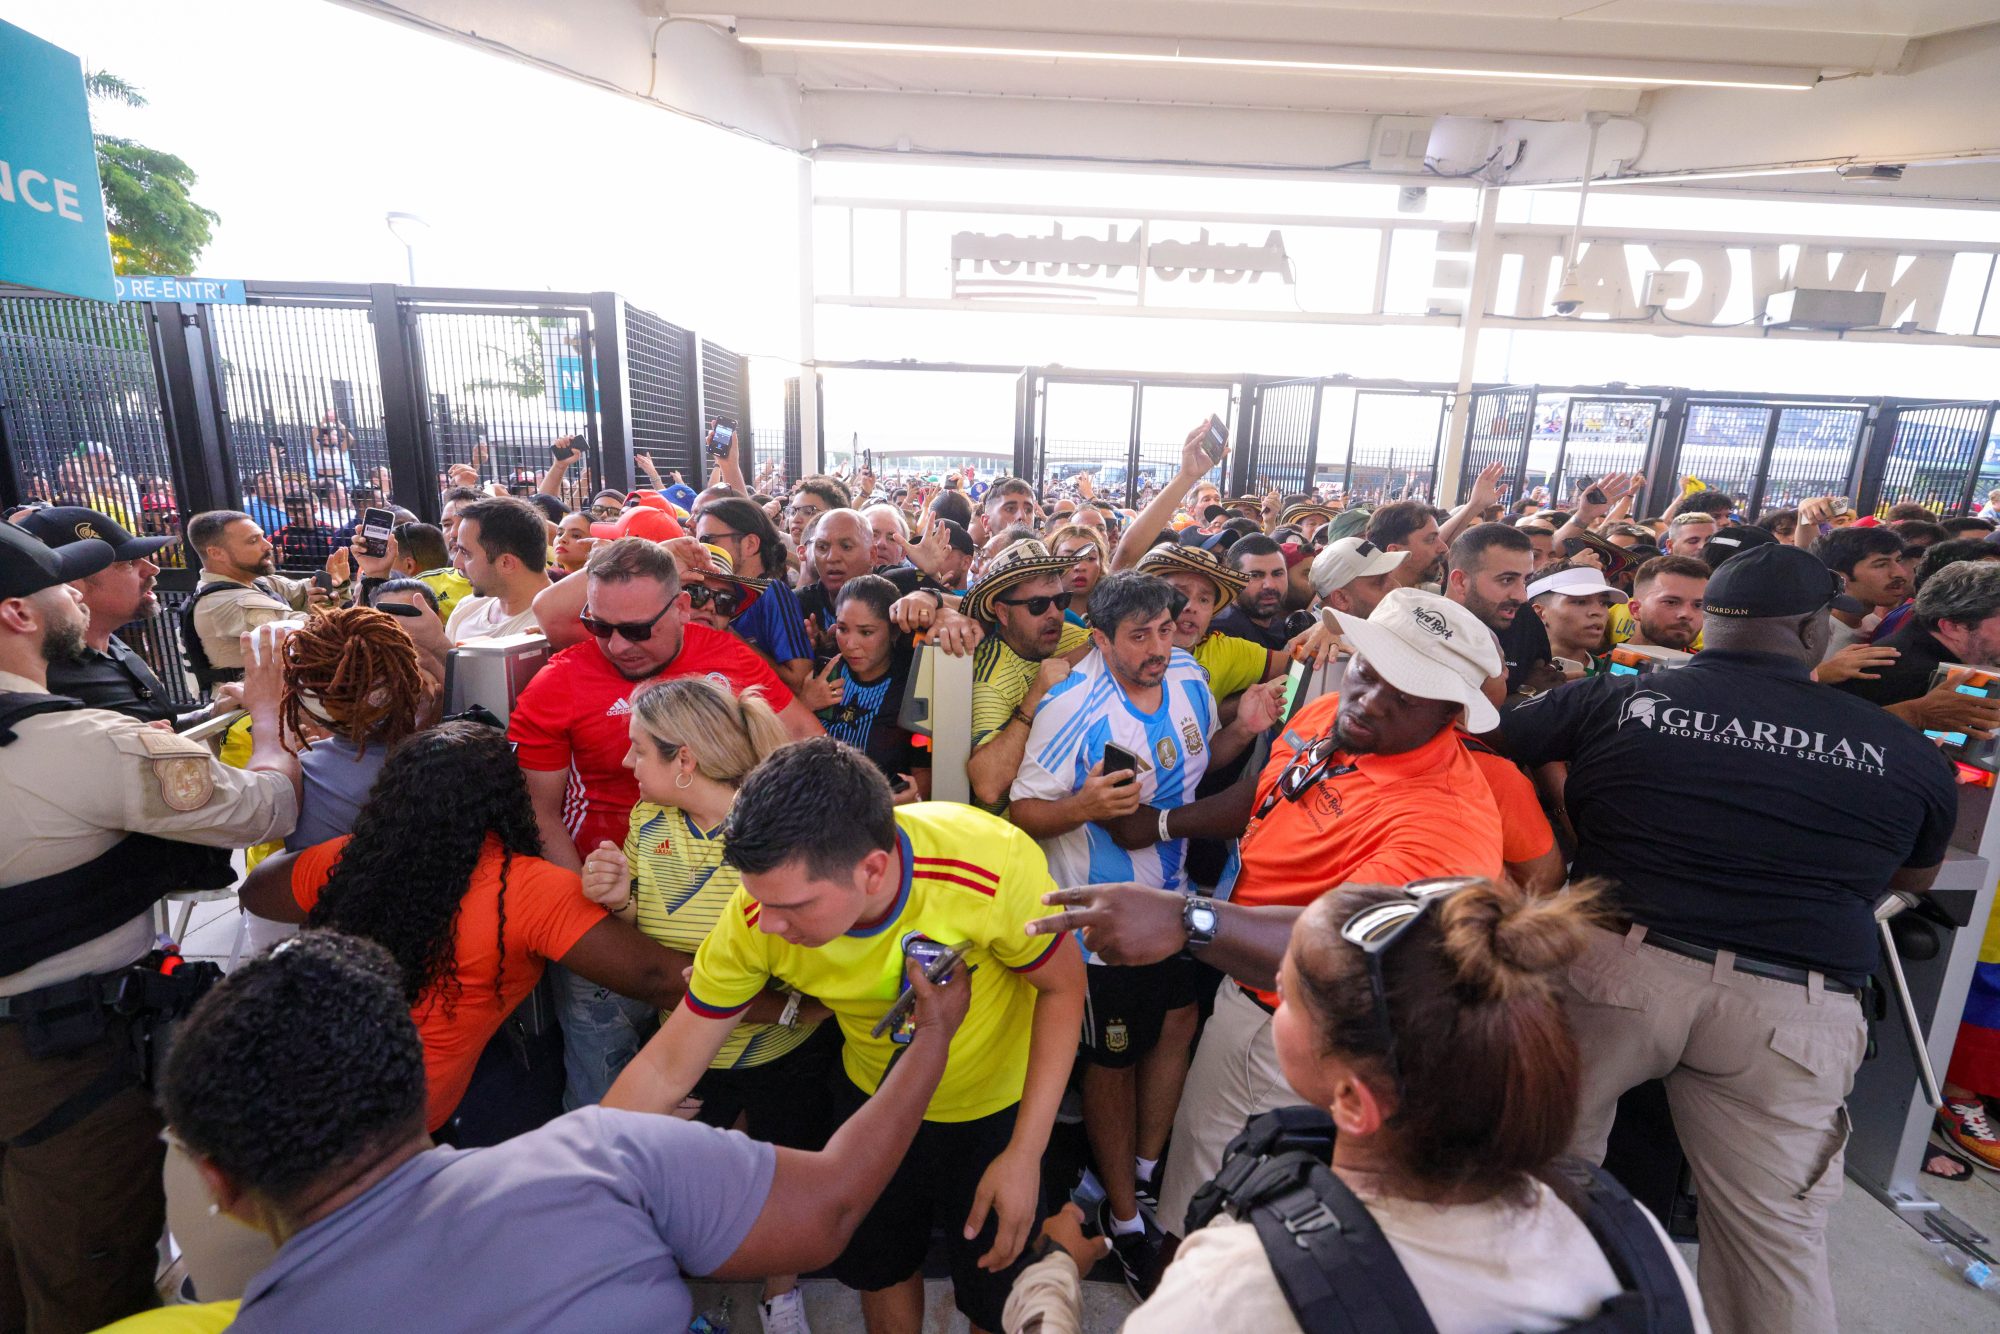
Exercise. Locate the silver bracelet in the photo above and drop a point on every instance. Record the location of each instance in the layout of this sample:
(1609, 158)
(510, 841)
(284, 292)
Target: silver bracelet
(790, 1016)
(1164, 836)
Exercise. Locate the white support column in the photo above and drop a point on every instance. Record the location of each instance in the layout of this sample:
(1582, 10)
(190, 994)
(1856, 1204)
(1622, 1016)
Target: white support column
(1479, 295)
(810, 461)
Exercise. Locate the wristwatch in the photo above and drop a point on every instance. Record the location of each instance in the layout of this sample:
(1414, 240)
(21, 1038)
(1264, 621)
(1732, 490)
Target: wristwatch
(1199, 919)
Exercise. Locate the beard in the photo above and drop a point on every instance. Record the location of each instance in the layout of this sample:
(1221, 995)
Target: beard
(63, 644)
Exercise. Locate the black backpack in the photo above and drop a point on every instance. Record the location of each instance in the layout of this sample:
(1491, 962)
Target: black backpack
(1338, 1272)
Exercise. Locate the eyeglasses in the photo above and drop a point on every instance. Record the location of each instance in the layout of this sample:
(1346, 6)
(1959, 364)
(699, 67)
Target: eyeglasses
(1306, 768)
(1378, 927)
(727, 600)
(606, 511)
(1039, 606)
(636, 632)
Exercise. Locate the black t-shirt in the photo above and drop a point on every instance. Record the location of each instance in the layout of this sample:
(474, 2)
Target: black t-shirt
(1738, 805)
(1524, 645)
(866, 718)
(1232, 621)
(1918, 655)
(117, 679)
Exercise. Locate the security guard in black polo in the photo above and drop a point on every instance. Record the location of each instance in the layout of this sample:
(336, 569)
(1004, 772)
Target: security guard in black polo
(1748, 820)
(110, 675)
(104, 814)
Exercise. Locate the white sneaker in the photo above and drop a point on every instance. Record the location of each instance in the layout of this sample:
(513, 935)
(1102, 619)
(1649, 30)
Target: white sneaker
(785, 1314)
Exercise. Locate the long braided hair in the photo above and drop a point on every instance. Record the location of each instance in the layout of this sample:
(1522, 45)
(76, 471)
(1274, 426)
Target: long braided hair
(402, 877)
(353, 670)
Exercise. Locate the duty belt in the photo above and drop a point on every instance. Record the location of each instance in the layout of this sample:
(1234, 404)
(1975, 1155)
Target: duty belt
(1777, 972)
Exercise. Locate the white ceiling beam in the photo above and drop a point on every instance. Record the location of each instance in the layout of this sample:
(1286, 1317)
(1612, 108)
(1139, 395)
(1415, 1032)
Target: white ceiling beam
(1198, 55)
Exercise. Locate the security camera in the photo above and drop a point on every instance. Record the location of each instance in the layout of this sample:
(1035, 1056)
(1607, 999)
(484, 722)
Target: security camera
(1569, 297)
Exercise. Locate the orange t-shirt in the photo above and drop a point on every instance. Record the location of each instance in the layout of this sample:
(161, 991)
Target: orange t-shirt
(1524, 829)
(1373, 820)
(546, 915)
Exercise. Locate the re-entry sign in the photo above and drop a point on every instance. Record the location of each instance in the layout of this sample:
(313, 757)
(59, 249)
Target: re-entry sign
(52, 231)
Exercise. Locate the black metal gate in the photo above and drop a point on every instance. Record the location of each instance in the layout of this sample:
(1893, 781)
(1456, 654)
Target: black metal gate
(1597, 434)
(1076, 423)
(1284, 433)
(1937, 455)
(1769, 454)
(1498, 424)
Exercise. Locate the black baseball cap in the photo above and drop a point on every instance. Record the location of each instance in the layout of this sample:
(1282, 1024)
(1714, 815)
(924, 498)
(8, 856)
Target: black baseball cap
(959, 540)
(65, 525)
(1734, 540)
(1775, 580)
(27, 566)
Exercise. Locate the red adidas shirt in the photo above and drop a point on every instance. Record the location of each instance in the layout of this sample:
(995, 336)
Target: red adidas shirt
(576, 713)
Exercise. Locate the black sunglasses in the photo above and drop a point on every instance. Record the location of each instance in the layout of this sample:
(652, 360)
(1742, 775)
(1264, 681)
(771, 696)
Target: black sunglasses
(727, 600)
(636, 632)
(1306, 768)
(1039, 606)
(1376, 929)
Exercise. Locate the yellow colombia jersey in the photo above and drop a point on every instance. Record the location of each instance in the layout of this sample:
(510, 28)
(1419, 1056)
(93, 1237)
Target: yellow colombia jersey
(1000, 679)
(680, 887)
(968, 877)
(1233, 664)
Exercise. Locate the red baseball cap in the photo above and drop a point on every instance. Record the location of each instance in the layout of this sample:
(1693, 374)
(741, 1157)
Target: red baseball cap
(651, 500)
(651, 524)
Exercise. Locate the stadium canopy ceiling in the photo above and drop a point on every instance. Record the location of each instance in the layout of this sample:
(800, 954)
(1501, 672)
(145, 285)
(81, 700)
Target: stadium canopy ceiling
(1758, 95)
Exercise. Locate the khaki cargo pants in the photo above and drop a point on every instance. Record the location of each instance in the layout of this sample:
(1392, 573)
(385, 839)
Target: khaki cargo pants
(1757, 1074)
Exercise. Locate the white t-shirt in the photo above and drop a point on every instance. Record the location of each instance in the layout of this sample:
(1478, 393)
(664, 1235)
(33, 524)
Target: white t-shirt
(1480, 1269)
(1088, 709)
(487, 618)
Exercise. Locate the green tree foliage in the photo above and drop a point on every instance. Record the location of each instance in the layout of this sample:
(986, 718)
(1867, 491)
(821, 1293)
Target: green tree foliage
(156, 227)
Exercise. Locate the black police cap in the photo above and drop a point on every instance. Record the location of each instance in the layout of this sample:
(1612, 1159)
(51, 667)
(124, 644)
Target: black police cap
(1775, 580)
(28, 566)
(61, 525)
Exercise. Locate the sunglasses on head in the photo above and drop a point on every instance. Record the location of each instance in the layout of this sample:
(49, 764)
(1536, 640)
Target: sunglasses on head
(727, 601)
(1039, 606)
(634, 631)
(1376, 928)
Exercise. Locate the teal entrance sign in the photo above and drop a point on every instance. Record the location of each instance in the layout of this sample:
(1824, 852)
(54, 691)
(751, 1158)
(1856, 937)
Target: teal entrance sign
(52, 231)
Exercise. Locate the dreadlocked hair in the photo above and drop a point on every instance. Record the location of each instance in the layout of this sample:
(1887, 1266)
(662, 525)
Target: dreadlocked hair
(402, 876)
(355, 670)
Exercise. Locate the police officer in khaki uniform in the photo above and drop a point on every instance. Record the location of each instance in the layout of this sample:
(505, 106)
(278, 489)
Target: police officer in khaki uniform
(240, 589)
(104, 814)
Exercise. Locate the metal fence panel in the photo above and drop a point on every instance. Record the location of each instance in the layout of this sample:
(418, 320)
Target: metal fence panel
(725, 392)
(1935, 454)
(1078, 419)
(80, 411)
(1496, 431)
(1284, 428)
(1721, 443)
(1393, 446)
(500, 388)
(1599, 436)
(302, 408)
(1811, 455)
(659, 365)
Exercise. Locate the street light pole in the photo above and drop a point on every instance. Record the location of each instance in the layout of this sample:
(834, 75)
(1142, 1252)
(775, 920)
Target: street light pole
(407, 228)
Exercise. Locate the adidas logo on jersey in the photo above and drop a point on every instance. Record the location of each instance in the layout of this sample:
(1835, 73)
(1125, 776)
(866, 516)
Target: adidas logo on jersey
(619, 709)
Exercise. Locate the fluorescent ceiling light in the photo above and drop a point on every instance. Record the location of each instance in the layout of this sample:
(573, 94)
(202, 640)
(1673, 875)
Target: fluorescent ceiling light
(1364, 61)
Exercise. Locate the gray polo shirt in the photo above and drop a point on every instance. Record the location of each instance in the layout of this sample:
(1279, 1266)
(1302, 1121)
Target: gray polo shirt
(585, 1224)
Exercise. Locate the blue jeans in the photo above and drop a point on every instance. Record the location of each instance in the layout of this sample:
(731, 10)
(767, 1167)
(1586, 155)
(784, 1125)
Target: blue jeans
(601, 1032)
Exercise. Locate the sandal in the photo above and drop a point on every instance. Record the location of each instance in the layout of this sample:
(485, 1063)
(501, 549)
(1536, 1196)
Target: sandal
(1945, 1165)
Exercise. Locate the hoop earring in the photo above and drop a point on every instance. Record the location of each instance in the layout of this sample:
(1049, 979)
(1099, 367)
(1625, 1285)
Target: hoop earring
(685, 780)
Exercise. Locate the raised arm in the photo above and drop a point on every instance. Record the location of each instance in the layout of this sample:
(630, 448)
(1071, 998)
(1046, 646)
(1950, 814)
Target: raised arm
(1485, 493)
(1138, 538)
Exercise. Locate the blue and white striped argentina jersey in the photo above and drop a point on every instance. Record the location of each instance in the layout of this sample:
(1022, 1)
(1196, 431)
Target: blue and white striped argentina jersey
(1088, 708)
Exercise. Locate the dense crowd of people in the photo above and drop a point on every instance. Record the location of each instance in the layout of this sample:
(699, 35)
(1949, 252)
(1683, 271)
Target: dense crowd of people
(1275, 803)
